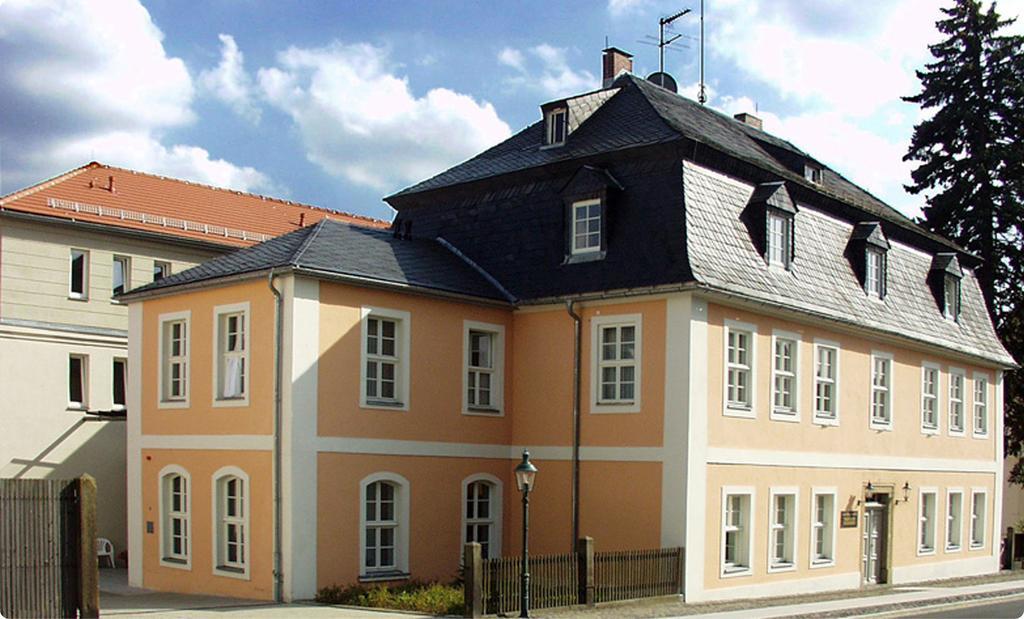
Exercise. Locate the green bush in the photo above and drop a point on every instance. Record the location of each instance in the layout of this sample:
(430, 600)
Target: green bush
(433, 598)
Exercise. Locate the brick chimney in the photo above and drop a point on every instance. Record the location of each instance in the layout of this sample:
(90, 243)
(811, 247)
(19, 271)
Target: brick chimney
(615, 61)
(749, 119)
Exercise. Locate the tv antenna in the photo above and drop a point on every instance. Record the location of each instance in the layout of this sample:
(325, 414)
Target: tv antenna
(662, 43)
(702, 96)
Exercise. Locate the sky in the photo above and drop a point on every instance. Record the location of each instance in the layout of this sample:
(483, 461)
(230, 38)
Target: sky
(341, 103)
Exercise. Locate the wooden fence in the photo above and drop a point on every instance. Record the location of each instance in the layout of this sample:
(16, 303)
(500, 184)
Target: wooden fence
(492, 586)
(48, 562)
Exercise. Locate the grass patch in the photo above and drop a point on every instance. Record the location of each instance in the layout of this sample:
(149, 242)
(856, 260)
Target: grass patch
(434, 598)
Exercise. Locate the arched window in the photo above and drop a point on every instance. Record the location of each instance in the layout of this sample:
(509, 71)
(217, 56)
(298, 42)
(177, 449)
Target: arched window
(231, 522)
(175, 517)
(481, 513)
(384, 519)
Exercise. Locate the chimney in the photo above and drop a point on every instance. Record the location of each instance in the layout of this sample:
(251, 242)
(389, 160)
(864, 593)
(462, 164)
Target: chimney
(749, 119)
(615, 61)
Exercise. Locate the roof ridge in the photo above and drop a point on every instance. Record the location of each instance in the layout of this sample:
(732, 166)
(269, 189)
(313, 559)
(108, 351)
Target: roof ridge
(46, 184)
(310, 237)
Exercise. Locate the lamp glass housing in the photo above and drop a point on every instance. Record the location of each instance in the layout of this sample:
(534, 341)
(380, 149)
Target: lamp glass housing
(525, 473)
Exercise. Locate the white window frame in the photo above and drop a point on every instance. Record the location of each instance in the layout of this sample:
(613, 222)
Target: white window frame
(497, 370)
(951, 291)
(549, 125)
(874, 284)
(220, 354)
(183, 562)
(163, 401)
(84, 295)
(789, 529)
(780, 243)
(983, 405)
(403, 345)
(126, 262)
(889, 390)
(837, 350)
(976, 518)
(597, 324)
(951, 518)
(113, 379)
(727, 571)
(935, 398)
(930, 522)
(83, 377)
(950, 402)
(782, 414)
(744, 410)
(163, 266)
(496, 510)
(218, 519)
(829, 528)
(576, 249)
(402, 533)
(812, 173)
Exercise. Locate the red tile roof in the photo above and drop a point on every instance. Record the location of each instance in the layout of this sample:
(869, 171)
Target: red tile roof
(107, 195)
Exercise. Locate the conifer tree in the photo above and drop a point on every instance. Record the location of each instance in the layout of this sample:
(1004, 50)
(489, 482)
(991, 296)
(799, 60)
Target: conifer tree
(970, 156)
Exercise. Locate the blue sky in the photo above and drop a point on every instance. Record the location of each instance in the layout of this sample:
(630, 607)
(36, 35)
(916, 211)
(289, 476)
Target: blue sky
(340, 103)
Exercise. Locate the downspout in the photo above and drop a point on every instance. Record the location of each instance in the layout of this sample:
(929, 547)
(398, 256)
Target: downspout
(577, 329)
(278, 345)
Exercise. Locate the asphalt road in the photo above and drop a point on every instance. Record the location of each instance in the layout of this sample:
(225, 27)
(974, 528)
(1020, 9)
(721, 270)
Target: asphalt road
(1006, 609)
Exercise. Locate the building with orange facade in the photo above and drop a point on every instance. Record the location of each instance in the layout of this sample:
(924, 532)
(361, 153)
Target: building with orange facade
(67, 246)
(705, 337)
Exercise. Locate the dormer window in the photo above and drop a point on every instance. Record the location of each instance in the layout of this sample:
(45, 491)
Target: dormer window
(780, 238)
(556, 125)
(951, 297)
(874, 272)
(812, 172)
(586, 217)
(770, 217)
(945, 279)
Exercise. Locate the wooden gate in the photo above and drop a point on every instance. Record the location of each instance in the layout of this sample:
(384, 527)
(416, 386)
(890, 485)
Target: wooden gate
(48, 562)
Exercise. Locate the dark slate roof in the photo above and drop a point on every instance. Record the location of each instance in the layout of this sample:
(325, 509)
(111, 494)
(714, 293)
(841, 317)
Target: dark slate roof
(333, 247)
(822, 281)
(654, 115)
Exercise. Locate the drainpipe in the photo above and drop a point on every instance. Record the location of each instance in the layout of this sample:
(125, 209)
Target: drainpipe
(278, 345)
(577, 328)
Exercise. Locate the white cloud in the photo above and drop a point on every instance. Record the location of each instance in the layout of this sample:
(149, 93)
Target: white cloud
(82, 82)
(618, 8)
(545, 69)
(230, 83)
(360, 121)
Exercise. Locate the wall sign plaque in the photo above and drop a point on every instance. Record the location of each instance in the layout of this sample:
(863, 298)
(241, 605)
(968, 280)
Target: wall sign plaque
(848, 520)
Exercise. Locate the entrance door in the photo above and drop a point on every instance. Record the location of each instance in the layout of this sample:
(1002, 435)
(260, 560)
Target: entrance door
(874, 543)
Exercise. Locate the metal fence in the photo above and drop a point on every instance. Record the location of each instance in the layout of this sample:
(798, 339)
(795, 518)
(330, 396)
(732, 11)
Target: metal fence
(492, 586)
(631, 574)
(48, 548)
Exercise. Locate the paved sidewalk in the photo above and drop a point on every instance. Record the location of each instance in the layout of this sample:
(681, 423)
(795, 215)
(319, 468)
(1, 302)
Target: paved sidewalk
(901, 601)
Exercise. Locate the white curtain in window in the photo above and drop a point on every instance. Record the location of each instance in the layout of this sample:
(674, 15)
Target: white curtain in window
(232, 377)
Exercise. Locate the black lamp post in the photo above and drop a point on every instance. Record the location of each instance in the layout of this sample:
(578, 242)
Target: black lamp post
(525, 473)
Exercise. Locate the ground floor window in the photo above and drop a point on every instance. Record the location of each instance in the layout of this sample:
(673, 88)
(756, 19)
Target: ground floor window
(736, 533)
(823, 524)
(782, 541)
(926, 522)
(175, 508)
(384, 520)
(231, 524)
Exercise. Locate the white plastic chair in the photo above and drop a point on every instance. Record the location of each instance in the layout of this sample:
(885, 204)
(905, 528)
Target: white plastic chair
(104, 548)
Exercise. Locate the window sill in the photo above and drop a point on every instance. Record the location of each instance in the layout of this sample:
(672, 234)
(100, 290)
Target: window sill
(733, 572)
(785, 415)
(240, 402)
(930, 431)
(587, 256)
(172, 404)
(980, 436)
(117, 302)
(231, 572)
(384, 576)
(746, 412)
(76, 408)
(475, 411)
(178, 564)
(822, 563)
(952, 549)
(925, 552)
(554, 145)
(978, 547)
(881, 427)
(826, 421)
(384, 405)
(74, 298)
(781, 567)
(605, 408)
(957, 433)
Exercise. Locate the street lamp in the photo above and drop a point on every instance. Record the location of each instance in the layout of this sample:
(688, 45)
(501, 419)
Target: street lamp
(525, 473)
